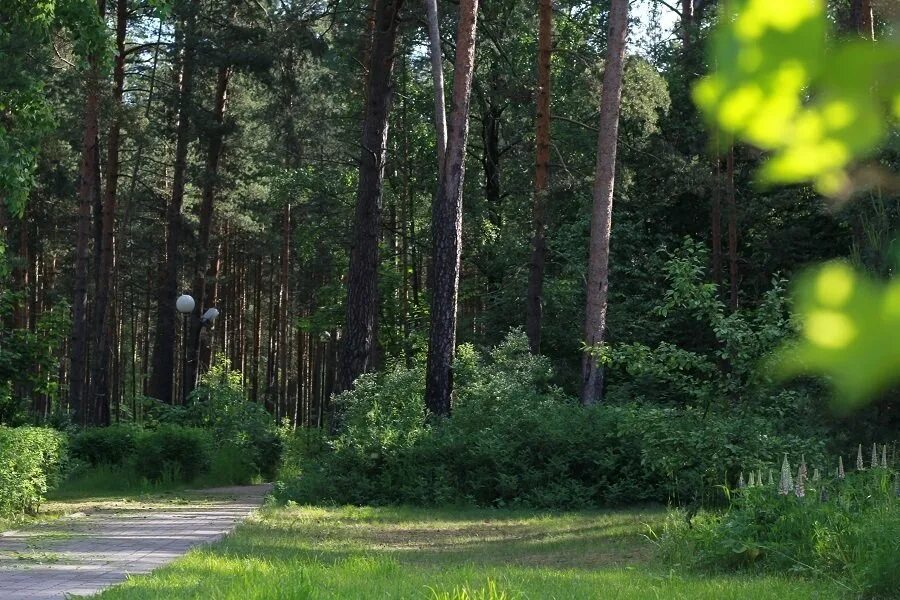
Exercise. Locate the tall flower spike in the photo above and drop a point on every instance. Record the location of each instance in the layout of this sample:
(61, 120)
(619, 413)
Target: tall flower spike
(759, 479)
(840, 470)
(800, 483)
(884, 456)
(771, 480)
(817, 477)
(752, 481)
(859, 460)
(786, 484)
(874, 461)
(741, 483)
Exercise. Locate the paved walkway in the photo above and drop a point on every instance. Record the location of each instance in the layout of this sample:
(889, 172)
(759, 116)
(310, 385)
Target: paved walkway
(84, 555)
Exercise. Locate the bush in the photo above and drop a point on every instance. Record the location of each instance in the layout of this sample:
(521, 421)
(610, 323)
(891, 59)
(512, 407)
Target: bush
(113, 445)
(852, 533)
(515, 439)
(172, 452)
(31, 462)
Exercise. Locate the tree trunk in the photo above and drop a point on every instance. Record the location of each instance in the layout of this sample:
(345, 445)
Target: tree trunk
(862, 19)
(715, 217)
(86, 191)
(162, 374)
(601, 217)
(447, 222)
(733, 275)
(687, 24)
(437, 76)
(103, 324)
(362, 289)
(534, 309)
(202, 263)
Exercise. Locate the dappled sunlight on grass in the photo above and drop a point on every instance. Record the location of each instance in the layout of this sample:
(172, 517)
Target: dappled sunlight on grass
(350, 552)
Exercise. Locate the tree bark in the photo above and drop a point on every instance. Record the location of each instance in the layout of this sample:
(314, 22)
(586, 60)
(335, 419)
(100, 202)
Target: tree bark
(733, 274)
(362, 290)
(103, 324)
(447, 223)
(715, 217)
(202, 264)
(86, 191)
(862, 20)
(687, 24)
(534, 308)
(437, 77)
(162, 374)
(601, 217)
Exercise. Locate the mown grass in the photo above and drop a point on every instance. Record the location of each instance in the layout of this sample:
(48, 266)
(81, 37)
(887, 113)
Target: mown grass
(365, 553)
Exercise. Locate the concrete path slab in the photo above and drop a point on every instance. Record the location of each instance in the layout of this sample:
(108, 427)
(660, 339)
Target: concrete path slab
(84, 555)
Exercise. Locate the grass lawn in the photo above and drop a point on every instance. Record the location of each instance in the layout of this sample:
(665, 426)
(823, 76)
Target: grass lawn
(312, 552)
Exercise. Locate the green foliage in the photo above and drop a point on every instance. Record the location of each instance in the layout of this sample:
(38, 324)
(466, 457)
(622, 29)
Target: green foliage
(28, 357)
(113, 445)
(173, 452)
(718, 363)
(769, 55)
(851, 533)
(31, 462)
(515, 439)
(244, 428)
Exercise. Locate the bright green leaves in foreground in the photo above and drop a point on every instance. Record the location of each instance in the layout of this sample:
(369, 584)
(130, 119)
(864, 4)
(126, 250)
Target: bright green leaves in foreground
(850, 331)
(770, 56)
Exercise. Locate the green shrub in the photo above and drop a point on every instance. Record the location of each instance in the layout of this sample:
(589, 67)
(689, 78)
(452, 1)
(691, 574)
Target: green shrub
(172, 452)
(851, 533)
(31, 462)
(515, 439)
(113, 445)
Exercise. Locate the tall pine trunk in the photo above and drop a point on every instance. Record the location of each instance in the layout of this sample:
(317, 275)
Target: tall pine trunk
(362, 291)
(437, 78)
(78, 401)
(102, 322)
(733, 274)
(447, 222)
(162, 373)
(534, 314)
(601, 217)
(202, 265)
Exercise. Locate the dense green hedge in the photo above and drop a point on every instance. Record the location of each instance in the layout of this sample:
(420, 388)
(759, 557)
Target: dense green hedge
(31, 461)
(514, 439)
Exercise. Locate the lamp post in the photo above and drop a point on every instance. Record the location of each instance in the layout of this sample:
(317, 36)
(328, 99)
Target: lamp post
(185, 305)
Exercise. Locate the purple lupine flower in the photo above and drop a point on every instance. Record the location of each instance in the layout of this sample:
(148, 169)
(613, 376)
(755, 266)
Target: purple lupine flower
(817, 477)
(741, 483)
(874, 461)
(771, 481)
(884, 456)
(859, 460)
(759, 479)
(840, 469)
(786, 483)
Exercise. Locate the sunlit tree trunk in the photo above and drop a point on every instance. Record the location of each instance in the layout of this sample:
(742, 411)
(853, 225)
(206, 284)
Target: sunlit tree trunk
(534, 309)
(601, 217)
(437, 77)
(447, 222)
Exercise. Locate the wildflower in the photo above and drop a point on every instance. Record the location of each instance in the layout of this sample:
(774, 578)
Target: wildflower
(752, 481)
(759, 479)
(817, 477)
(771, 481)
(840, 469)
(874, 460)
(741, 483)
(800, 483)
(786, 484)
(859, 460)
(884, 456)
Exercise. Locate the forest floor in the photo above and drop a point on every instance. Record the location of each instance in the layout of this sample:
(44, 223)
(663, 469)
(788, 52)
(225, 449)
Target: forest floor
(298, 552)
(82, 546)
